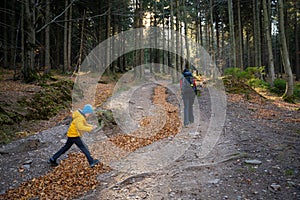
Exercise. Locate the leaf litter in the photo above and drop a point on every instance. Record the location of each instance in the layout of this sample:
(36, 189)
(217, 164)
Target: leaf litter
(73, 177)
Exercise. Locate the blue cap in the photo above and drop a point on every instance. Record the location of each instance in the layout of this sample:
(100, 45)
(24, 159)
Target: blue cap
(87, 109)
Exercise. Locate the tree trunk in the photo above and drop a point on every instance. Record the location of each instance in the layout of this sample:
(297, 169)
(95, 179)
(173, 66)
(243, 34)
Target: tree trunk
(70, 40)
(269, 43)
(217, 41)
(164, 61)
(22, 38)
(47, 38)
(258, 18)
(172, 56)
(66, 63)
(81, 43)
(255, 34)
(108, 34)
(297, 59)
(142, 53)
(178, 45)
(5, 38)
(15, 55)
(156, 51)
(212, 35)
(247, 49)
(13, 45)
(285, 54)
(232, 35)
(240, 37)
(29, 68)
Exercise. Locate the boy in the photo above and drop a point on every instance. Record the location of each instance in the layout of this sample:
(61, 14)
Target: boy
(78, 125)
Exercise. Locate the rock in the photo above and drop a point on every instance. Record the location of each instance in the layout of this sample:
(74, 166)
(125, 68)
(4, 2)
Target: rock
(291, 183)
(275, 187)
(194, 133)
(63, 141)
(172, 194)
(27, 162)
(27, 166)
(253, 162)
(215, 181)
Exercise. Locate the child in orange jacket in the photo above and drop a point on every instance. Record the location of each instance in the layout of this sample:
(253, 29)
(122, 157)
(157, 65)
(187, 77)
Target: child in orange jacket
(77, 127)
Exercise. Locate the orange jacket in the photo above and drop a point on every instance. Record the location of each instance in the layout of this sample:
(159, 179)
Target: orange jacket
(78, 125)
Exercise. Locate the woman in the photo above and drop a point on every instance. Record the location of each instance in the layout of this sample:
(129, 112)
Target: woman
(188, 88)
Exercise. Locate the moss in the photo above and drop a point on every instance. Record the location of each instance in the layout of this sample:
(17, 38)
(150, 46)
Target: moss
(43, 105)
(49, 100)
(235, 87)
(289, 172)
(106, 118)
(289, 99)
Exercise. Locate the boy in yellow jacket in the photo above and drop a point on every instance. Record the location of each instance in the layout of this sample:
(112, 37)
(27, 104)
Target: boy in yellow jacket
(77, 127)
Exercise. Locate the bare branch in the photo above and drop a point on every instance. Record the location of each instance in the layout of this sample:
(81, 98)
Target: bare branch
(53, 20)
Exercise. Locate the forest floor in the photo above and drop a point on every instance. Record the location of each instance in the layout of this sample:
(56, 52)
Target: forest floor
(256, 157)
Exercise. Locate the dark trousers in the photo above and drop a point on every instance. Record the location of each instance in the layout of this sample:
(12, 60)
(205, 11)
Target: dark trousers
(188, 113)
(68, 145)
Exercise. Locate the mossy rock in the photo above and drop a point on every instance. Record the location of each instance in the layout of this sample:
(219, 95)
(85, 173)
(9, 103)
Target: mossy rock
(106, 118)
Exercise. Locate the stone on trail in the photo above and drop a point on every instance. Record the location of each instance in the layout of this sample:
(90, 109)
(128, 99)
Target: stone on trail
(215, 181)
(253, 162)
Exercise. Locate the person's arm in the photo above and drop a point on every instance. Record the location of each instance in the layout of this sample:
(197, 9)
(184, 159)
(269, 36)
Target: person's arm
(82, 125)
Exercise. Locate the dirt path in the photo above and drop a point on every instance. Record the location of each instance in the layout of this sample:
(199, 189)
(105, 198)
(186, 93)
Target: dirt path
(263, 133)
(256, 157)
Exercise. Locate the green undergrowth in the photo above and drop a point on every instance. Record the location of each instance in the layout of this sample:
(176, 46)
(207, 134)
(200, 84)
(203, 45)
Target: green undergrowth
(240, 81)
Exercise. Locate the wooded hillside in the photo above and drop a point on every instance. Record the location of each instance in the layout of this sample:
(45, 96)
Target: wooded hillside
(44, 34)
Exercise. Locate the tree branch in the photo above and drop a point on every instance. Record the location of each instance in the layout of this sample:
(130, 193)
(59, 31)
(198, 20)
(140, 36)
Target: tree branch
(53, 20)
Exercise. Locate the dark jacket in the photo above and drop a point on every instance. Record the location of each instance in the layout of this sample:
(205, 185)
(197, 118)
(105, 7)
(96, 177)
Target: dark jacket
(186, 74)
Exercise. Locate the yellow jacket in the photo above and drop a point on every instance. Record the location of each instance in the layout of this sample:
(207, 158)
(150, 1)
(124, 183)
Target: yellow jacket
(78, 125)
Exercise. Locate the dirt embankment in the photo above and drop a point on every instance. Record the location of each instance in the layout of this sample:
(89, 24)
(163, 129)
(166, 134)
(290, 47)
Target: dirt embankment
(29, 108)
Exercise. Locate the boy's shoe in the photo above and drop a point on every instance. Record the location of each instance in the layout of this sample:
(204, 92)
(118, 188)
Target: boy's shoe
(52, 162)
(95, 162)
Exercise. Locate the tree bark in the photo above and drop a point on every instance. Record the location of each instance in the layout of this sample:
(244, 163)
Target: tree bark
(285, 54)
(255, 34)
(81, 43)
(70, 40)
(258, 18)
(29, 45)
(297, 56)
(66, 63)
(269, 42)
(172, 56)
(13, 45)
(240, 37)
(212, 35)
(108, 34)
(232, 34)
(5, 38)
(178, 45)
(47, 38)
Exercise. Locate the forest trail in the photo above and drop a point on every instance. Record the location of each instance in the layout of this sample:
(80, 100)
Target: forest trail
(256, 157)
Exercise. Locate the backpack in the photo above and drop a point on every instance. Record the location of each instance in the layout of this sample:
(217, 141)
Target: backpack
(188, 85)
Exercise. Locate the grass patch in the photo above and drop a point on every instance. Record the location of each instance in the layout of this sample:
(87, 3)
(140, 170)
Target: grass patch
(289, 172)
